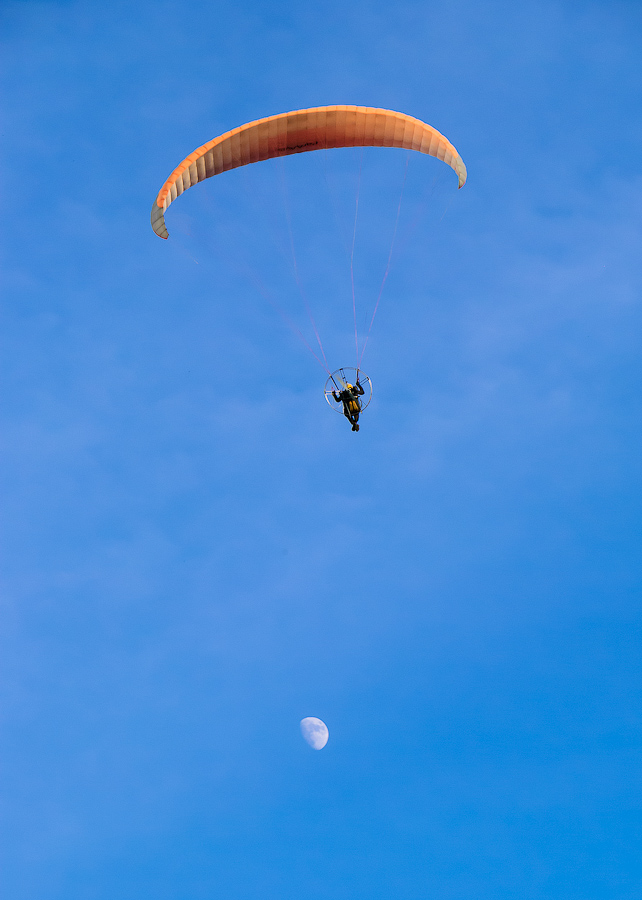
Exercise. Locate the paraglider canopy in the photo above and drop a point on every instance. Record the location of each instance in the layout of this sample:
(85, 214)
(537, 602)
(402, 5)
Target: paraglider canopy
(319, 128)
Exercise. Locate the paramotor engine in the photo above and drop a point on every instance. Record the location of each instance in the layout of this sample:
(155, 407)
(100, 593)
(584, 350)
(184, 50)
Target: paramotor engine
(340, 379)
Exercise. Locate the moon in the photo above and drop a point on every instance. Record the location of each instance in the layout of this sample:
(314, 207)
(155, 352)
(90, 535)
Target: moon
(315, 732)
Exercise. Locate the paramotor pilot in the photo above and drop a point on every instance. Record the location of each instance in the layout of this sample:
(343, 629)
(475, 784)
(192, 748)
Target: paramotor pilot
(349, 396)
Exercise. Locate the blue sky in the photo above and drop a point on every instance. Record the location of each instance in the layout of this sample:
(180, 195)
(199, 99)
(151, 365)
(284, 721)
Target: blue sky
(198, 553)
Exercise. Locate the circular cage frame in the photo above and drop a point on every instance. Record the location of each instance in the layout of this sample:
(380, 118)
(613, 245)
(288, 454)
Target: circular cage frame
(339, 379)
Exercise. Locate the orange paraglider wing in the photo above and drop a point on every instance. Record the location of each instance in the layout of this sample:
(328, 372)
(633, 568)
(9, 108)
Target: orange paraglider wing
(320, 128)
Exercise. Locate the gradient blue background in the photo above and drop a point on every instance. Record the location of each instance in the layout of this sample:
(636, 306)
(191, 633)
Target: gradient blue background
(198, 553)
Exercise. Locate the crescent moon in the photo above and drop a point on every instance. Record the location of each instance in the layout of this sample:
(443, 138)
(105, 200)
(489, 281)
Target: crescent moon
(315, 732)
